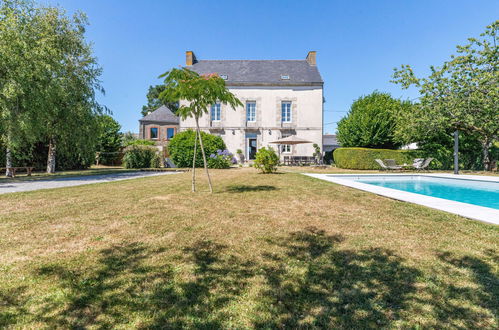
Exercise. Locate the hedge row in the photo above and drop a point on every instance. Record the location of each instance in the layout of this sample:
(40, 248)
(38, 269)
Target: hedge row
(363, 158)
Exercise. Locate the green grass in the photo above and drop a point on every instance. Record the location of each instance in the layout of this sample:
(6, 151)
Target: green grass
(265, 251)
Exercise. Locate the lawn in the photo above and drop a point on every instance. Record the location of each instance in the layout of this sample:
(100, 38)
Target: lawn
(266, 251)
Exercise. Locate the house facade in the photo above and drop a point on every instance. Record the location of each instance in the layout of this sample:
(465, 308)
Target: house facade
(280, 98)
(159, 126)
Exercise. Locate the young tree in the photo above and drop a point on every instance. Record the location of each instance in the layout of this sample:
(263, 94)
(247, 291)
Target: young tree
(371, 122)
(462, 94)
(154, 101)
(200, 92)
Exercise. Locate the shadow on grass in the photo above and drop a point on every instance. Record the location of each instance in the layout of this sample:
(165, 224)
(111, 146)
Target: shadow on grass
(304, 281)
(247, 188)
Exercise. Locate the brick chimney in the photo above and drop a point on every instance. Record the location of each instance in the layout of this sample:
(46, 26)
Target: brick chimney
(311, 57)
(190, 58)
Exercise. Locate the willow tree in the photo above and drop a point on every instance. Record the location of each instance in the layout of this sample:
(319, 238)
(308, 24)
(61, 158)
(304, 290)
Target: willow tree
(460, 95)
(198, 93)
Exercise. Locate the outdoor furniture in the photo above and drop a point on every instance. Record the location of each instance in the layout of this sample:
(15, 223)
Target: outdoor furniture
(424, 165)
(13, 170)
(392, 165)
(380, 163)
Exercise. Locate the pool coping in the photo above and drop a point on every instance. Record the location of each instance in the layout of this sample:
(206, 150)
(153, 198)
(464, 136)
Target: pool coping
(481, 213)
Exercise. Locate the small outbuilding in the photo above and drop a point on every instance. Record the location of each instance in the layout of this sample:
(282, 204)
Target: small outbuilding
(159, 126)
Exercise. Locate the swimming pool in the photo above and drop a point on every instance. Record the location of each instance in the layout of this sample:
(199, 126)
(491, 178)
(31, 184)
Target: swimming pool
(482, 193)
(471, 196)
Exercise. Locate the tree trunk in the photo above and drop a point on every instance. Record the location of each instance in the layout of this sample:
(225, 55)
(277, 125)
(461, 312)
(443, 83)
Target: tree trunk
(456, 152)
(194, 163)
(486, 159)
(51, 156)
(204, 156)
(8, 163)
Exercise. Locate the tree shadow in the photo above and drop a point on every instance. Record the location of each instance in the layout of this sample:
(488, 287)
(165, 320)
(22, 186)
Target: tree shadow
(247, 188)
(483, 293)
(305, 279)
(327, 287)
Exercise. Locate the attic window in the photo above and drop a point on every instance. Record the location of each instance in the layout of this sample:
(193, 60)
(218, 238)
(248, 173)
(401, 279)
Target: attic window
(284, 77)
(224, 76)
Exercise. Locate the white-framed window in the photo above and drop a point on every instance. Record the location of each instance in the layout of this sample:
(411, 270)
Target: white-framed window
(286, 112)
(251, 111)
(285, 148)
(215, 112)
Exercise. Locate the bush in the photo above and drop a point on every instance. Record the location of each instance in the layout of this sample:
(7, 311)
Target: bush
(221, 159)
(363, 158)
(181, 148)
(139, 142)
(266, 160)
(141, 157)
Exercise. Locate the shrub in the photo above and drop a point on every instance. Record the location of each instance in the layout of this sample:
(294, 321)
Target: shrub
(139, 142)
(141, 157)
(181, 148)
(266, 160)
(363, 158)
(221, 159)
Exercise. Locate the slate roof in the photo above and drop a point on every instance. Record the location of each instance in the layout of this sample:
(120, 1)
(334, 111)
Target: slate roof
(162, 114)
(264, 72)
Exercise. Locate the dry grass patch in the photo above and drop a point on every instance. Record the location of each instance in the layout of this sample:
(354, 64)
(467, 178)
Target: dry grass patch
(262, 251)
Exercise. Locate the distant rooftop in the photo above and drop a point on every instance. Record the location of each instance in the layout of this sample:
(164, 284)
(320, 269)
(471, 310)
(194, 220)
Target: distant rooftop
(264, 72)
(161, 114)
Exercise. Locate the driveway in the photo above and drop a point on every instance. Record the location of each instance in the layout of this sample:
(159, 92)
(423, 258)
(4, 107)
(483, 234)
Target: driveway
(11, 187)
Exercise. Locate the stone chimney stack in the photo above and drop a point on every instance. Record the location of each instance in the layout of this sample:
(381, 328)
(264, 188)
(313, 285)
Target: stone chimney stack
(190, 58)
(311, 57)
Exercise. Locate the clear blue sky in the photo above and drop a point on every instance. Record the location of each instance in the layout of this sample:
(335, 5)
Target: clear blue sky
(358, 43)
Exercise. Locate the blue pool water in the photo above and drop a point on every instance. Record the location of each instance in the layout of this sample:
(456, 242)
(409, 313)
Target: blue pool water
(482, 193)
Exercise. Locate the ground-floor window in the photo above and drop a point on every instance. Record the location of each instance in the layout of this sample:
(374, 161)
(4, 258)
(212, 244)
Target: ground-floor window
(285, 148)
(170, 132)
(153, 133)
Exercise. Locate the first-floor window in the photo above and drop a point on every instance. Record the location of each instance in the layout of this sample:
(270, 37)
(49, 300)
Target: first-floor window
(170, 132)
(250, 111)
(153, 133)
(215, 112)
(286, 112)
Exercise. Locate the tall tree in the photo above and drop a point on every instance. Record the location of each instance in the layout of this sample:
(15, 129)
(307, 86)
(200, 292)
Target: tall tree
(70, 98)
(371, 122)
(462, 94)
(154, 101)
(200, 92)
(110, 139)
(22, 74)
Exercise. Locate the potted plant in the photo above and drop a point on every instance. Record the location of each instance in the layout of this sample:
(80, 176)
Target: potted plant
(240, 155)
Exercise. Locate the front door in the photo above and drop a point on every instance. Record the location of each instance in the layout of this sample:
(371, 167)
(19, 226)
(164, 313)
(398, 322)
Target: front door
(251, 148)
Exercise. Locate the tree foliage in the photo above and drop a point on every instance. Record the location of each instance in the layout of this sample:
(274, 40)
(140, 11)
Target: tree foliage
(48, 81)
(154, 101)
(198, 92)
(109, 141)
(462, 94)
(372, 121)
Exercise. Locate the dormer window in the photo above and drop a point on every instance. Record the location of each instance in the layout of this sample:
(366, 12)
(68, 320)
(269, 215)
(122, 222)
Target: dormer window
(284, 77)
(224, 76)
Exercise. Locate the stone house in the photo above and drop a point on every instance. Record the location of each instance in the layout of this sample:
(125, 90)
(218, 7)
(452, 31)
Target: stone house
(280, 98)
(159, 126)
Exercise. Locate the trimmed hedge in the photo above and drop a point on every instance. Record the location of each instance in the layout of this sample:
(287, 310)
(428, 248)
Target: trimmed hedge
(363, 158)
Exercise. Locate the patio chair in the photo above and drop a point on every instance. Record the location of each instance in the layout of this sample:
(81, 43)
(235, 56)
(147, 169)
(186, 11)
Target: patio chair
(425, 164)
(380, 163)
(417, 162)
(392, 165)
(287, 160)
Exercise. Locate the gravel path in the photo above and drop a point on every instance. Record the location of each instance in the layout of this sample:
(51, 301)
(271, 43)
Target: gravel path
(10, 187)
